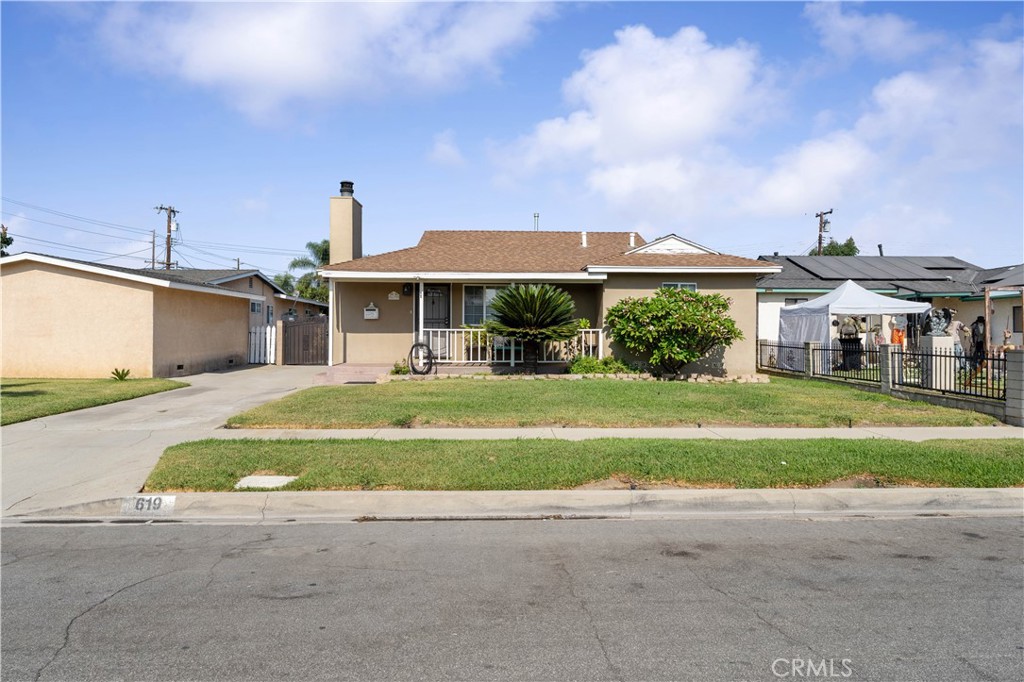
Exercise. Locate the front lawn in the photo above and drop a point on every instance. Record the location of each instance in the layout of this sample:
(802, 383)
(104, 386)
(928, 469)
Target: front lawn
(216, 465)
(471, 402)
(22, 399)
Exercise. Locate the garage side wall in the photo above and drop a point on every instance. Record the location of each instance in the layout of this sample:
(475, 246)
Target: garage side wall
(738, 359)
(195, 332)
(61, 323)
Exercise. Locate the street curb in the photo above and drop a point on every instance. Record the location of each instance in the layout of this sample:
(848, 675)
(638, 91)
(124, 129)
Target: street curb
(283, 506)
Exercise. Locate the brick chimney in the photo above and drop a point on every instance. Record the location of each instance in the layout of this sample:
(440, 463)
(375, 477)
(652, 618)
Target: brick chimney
(346, 225)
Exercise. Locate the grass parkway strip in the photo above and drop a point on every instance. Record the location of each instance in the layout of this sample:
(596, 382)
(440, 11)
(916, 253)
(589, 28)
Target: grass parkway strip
(596, 402)
(23, 399)
(216, 465)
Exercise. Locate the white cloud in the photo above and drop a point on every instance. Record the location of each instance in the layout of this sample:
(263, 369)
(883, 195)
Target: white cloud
(965, 115)
(261, 56)
(644, 95)
(881, 37)
(820, 171)
(680, 134)
(446, 150)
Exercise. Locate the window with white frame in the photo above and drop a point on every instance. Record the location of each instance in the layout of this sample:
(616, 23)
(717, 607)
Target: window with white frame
(689, 286)
(476, 303)
(255, 307)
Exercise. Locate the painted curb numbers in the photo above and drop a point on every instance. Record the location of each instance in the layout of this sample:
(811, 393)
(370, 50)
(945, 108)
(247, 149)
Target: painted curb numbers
(147, 505)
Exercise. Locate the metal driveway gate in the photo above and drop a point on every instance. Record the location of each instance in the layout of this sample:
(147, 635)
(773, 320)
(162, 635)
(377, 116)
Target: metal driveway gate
(305, 342)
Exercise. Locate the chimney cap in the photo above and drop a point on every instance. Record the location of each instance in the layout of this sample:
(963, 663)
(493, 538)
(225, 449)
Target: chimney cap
(347, 188)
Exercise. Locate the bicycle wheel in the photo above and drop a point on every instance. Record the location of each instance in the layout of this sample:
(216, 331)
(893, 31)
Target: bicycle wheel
(421, 359)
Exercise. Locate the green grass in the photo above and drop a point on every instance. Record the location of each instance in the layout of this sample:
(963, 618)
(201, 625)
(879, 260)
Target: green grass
(22, 399)
(595, 402)
(216, 465)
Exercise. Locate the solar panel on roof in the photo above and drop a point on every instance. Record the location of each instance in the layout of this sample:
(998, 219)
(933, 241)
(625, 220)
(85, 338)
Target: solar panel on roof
(863, 267)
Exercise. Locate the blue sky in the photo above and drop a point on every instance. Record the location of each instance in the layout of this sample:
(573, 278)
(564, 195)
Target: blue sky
(730, 124)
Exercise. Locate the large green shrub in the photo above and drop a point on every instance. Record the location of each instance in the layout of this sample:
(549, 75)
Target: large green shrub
(674, 327)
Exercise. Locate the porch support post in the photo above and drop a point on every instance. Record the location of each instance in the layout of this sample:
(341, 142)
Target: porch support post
(600, 344)
(421, 337)
(332, 320)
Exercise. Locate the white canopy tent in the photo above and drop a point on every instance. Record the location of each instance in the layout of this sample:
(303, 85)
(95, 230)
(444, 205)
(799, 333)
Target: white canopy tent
(811, 320)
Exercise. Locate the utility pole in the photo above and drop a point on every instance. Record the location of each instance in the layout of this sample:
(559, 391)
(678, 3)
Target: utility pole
(171, 212)
(238, 264)
(152, 259)
(823, 224)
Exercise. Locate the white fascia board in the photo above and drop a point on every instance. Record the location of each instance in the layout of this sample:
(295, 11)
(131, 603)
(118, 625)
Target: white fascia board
(115, 274)
(299, 299)
(461, 276)
(669, 269)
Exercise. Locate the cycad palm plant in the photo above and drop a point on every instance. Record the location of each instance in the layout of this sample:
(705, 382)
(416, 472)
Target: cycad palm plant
(533, 313)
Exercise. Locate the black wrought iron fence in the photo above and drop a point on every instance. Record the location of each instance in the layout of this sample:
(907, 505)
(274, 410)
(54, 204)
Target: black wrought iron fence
(773, 355)
(950, 372)
(847, 361)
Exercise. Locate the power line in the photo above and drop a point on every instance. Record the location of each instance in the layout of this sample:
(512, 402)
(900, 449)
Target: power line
(70, 247)
(83, 219)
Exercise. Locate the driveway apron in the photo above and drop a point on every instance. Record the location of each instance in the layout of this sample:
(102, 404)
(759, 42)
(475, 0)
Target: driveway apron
(108, 451)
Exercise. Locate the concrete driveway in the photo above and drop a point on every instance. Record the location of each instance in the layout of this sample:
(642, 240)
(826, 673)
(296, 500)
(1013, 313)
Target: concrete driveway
(108, 451)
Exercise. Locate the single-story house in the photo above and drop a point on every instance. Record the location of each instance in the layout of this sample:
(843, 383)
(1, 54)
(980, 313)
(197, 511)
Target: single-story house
(274, 304)
(943, 281)
(441, 288)
(65, 318)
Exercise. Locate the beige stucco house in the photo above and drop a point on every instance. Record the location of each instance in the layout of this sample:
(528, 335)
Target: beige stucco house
(439, 290)
(65, 318)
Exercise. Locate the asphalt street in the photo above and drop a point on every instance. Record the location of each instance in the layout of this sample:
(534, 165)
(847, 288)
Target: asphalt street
(935, 598)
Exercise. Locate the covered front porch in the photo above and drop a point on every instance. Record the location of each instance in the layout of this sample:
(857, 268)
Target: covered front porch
(379, 321)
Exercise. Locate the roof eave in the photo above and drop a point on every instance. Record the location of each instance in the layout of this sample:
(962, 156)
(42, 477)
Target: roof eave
(142, 279)
(441, 276)
(677, 269)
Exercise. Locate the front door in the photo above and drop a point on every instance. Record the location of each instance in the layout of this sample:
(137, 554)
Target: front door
(436, 315)
(437, 309)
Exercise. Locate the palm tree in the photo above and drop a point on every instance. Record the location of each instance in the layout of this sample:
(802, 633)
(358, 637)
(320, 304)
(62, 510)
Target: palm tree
(309, 285)
(533, 313)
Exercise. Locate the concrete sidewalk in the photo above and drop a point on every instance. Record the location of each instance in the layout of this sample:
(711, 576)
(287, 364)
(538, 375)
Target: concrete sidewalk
(106, 453)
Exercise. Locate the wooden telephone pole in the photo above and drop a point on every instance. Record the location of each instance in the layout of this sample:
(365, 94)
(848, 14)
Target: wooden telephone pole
(171, 212)
(823, 224)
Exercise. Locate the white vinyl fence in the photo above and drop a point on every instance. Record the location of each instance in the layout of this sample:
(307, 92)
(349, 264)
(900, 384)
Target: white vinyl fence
(262, 344)
(472, 346)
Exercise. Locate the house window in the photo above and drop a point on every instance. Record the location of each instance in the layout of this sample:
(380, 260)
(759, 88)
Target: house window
(270, 314)
(255, 307)
(476, 304)
(1018, 319)
(689, 286)
(794, 301)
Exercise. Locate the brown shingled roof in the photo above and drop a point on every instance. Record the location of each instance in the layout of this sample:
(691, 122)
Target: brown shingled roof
(680, 260)
(495, 251)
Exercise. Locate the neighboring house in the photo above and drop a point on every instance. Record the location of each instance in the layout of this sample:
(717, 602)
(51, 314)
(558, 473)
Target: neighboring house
(381, 304)
(272, 304)
(66, 318)
(943, 281)
(296, 307)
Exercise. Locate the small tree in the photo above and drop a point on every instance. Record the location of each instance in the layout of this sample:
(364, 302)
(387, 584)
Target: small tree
(5, 240)
(675, 326)
(309, 285)
(533, 313)
(286, 281)
(834, 248)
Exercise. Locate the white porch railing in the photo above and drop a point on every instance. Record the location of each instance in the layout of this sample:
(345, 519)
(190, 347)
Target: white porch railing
(476, 346)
